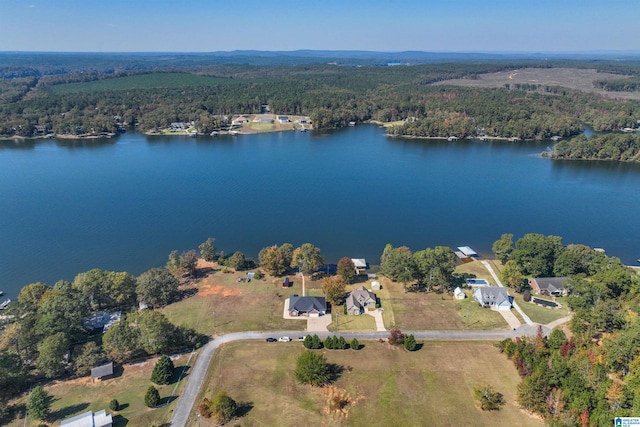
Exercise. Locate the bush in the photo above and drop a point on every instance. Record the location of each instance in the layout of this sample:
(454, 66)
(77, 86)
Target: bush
(328, 343)
(114, 405)
(526, 296)
(223, 408)
(258, 275)
(312, 368)
(163, 370)
(354, 344)
(341, 343)
(152, 397)
(396, 337)
(410, 343)
(487, 398)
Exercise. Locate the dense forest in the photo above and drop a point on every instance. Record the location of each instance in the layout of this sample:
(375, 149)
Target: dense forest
(621, 147)
(590, 374)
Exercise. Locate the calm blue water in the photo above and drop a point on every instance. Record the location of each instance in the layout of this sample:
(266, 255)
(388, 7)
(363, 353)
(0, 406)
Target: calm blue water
(124, 204)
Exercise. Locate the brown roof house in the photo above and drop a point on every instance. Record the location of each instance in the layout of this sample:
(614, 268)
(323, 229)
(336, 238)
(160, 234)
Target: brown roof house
(359, 300)
(548, 285)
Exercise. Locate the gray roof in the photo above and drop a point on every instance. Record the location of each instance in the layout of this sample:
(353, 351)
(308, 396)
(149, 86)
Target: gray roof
(493, 295)
(307, 304)
(550, 284)
(359, 297)
(89, 419)
(102, 371)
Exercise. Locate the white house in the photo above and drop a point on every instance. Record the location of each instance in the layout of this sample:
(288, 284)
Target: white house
(495, 297)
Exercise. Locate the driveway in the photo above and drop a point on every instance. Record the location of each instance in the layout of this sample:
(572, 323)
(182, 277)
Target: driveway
(318, 324)
(377, 314)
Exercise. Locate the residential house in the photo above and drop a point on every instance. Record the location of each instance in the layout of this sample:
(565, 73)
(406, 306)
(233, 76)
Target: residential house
(177, 126)
(360, 264)
(359, 300)
(102, 372)
(283, 119)
(39, 130)
(548, 285)
(102, 320)
(240, 121)
(458, 293)
(307, 306)
(266, 118)
(89, 419)
(495, 297)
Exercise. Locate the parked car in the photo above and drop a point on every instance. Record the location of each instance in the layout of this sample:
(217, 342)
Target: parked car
(284, 339)
(271, 340)
(301, 338)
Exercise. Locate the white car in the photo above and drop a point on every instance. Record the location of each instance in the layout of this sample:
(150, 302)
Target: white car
(302, 338)
(284, 339)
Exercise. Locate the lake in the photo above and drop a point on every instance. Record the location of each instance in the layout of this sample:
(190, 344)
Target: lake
(124, 203)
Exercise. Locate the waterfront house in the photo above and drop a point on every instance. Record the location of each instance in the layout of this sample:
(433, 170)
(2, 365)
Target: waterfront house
(548, 285)
(283, 119)
(360, 264)
(307, 306)
(177, 126)
(495, 297)
(359, 300)
(39, 130)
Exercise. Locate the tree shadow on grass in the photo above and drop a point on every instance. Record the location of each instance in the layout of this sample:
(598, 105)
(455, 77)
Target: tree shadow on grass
(243, 409)
(335, 372)
(178, 373)
(120, 421)
(68, 411)
(186, 293)
(166, 400)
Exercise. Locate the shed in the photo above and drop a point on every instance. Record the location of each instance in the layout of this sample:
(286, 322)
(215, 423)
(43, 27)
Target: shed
(89, 419)
(102, 372)
(285, 282)
(375, 285)
(458, 293)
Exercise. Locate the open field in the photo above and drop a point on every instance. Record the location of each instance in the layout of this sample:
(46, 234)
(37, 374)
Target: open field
(235, 306)
(433, 311)
(388, 386)
(571, 78)
(77, 396)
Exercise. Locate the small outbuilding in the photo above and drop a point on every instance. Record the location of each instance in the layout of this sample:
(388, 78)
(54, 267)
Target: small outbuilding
(458, 293)
(375, 285)
(102, 372)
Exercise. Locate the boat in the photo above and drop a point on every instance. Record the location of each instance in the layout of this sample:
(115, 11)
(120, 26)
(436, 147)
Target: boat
(214, 133)
(1, 293)
(5, 303)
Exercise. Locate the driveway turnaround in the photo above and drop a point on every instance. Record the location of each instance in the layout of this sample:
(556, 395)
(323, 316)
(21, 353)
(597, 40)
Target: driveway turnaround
(196, 377)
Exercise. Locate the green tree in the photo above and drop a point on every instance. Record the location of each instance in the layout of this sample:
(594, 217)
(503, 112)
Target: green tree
(347, 269)
(397, 264)
(151, 397)
(342, 343)
(30, 297)
(513, 277)
(312, 368)
(61, 310)
(316, 344)
(308, 342)
(39, 403)
(503, 247)
(556, 338)
(328, 343)
(162, 370)
(223, 408)
(13, 375)
(208, 251)
(237, 261)
(307, 258)
(156, 287)
(536, 254)
(157, 333)
(354, 344)
(114, 405)
(52, 350)
(122, 342)
(182, 265)
(276, 260)
(435, 267)
(88, 356)
(410, 343)
(532, 393)
(335, 289)
(487, 398)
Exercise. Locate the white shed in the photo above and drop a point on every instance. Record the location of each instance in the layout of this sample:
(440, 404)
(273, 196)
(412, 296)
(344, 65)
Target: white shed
(375, 285)
(459, 293)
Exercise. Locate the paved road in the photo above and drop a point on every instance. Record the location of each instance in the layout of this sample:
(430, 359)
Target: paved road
(197, 374)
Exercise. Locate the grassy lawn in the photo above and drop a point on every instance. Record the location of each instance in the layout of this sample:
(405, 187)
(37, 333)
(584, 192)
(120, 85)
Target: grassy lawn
(388, 386)
(77, 396)
(477, 270)
(238, 306)
(433, 311)
(544, 315)
(346, 322)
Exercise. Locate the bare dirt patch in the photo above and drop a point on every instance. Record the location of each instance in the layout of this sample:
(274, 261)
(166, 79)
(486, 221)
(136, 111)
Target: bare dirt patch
(208, 290)
(571, 78)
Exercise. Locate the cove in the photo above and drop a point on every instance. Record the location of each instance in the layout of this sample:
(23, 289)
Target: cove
(124, 203)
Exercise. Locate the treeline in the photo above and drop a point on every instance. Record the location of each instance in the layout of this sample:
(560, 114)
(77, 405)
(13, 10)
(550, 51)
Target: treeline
(615, 146)
(593, 375)
(332, 96)
(631, 84)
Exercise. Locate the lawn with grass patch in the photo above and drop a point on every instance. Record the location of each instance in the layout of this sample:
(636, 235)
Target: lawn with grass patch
(76, 396)
(434, 311)
(387, 385)
(348, 322)
(235, 306)
(544, 315)
(475, 269)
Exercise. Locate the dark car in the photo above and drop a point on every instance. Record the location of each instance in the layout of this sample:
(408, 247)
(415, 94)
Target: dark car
(271, 340)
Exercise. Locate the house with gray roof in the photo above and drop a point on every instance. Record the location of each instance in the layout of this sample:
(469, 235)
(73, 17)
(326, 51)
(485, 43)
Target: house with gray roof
(307, 306)
(359, 300)
(89, 419)
(495, 297)
(548, 285)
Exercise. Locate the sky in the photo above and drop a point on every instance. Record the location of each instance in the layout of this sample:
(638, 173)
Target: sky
(284, 25)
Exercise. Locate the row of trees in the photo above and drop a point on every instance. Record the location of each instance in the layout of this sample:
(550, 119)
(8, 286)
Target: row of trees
(614, 146)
